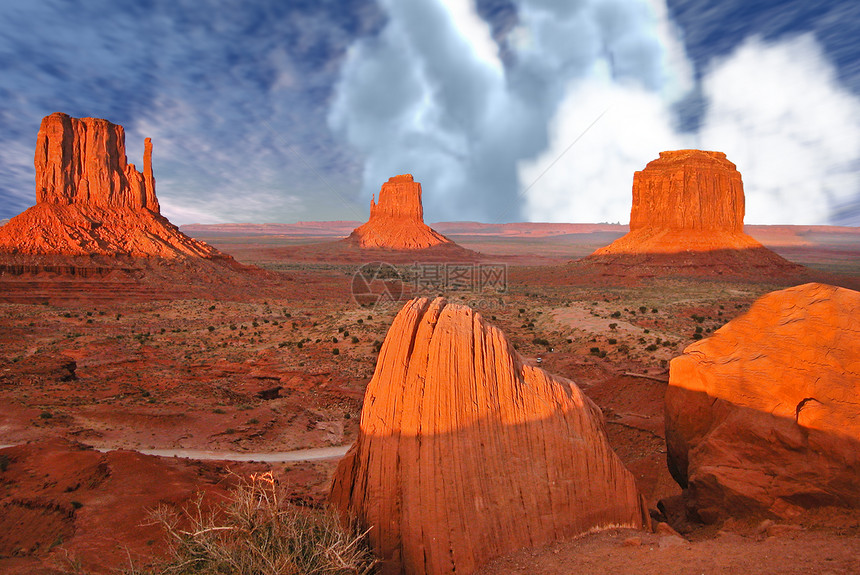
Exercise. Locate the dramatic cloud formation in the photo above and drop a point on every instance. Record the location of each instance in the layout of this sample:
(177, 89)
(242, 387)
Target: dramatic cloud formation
(430, 95)
(590, 92)
(775, 109)
(504, 109)
(233, 94)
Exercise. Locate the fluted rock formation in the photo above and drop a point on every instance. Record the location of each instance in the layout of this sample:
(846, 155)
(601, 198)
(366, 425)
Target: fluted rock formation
(763, 415)
(90, 201)
(687, 215)
(397, 221)
(466, 453)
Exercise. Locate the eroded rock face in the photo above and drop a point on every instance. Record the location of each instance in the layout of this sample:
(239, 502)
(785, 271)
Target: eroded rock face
(466, 453)
(397, 221)
(763, 415)
(90, 201)
(687, 218)
(688, 190)
(83, 161)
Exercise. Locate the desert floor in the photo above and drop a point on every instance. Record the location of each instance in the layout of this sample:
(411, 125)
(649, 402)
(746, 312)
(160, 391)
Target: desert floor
(278, 371)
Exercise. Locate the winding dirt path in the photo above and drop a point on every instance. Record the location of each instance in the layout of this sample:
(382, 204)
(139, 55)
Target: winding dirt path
(315, 454)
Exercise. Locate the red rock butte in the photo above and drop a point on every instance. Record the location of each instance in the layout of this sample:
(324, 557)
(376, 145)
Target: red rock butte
(688, 214)
(397, 221)
(91, 201)
(466, 453)
(762, 416)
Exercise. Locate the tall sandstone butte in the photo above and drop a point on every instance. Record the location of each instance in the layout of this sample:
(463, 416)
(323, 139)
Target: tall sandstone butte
(466, 453)
(687, 215)
(397, 221)
(763, 416)
(91, 201)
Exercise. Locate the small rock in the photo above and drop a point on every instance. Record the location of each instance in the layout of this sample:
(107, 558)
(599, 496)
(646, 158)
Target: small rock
(667, 541)
(666, 529)
(632, 542)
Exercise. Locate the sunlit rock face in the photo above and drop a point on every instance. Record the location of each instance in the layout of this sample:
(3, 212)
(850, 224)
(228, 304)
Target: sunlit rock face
(763, 415)
(91, 201)
(465, 452)
(687, 218)
(397, 220)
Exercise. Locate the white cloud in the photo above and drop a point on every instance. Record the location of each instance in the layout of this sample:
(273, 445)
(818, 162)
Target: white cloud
(779, 113)
(776, 110)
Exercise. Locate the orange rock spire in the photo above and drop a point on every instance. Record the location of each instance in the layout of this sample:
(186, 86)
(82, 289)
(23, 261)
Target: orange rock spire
(83, 161)
(397, 220)
(465, 452)
(91, 201)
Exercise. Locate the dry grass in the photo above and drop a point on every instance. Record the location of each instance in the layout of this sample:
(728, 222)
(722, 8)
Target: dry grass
(257, 532)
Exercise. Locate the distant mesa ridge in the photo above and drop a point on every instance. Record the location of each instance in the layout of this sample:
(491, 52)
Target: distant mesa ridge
(91, 202)
(397, 220)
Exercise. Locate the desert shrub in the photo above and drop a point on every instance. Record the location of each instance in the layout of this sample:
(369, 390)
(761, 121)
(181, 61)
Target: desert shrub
(612, 341)
(256, 531)
(651, 347)
(335, 351)
(354, 339)
(642, 309)
(540, 341)
(616, 314)
(613, 325)
(4, 462)
(697, 336)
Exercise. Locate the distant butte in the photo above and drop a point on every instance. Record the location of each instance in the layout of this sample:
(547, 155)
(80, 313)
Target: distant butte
(397, 221)
(687, 215)
(90, 201)
(97, 231)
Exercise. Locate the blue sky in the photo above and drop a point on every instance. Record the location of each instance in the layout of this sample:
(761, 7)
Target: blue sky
(505, 110)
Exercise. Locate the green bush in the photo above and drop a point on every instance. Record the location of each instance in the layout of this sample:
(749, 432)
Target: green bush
(256, 531)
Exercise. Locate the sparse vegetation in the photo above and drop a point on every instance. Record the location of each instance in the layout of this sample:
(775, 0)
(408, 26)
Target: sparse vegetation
(256, 531)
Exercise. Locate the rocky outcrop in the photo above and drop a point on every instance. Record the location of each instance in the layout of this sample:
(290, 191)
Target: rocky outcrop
(90, 201)
(690, 190)
(465, 452)
(397, 221)
(763, 415)
(687, 217)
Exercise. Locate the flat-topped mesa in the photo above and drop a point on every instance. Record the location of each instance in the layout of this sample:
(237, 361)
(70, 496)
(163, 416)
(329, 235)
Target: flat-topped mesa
(83, 161)
(465, 452)
(688, 190)
(687, 219)
(397, 220)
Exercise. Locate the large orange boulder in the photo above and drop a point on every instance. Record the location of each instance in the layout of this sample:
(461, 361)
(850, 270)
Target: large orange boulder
(687, 215)
(465, 452)
(397, 221)
(91, 201)
(763, 415)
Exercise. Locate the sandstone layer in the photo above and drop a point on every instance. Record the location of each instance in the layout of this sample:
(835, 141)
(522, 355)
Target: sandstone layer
(397, 221)
(91, 201)
(687, 214)
(763, 415)
(465, 452)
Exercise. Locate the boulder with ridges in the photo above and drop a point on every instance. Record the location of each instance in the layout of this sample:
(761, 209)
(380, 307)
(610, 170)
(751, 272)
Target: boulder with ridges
(465, 452)
(763, 416)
